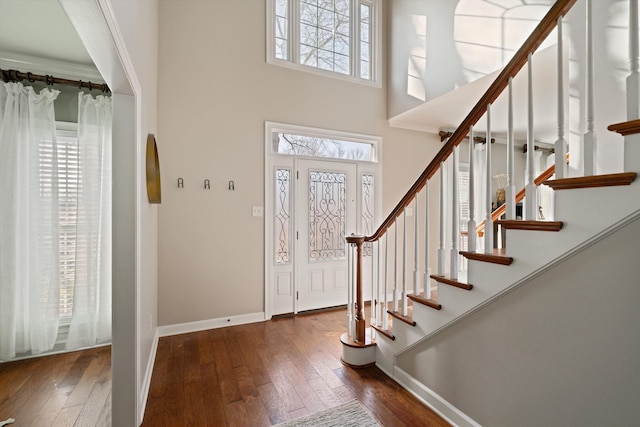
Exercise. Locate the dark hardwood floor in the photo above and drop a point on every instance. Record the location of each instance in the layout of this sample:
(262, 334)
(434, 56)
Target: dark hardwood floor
(265, 373)
(71, 389)
(251, 375)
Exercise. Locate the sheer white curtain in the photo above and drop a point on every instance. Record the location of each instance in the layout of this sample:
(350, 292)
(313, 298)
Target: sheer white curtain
(29, 266)
(91, 319)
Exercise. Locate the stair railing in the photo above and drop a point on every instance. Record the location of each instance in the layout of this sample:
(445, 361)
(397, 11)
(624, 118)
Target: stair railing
(520, 195)
(409, 201)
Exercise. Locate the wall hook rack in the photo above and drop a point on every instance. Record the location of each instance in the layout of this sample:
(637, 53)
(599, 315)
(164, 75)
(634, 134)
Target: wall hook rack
(232, 185)
(180, 183)
(207, 184)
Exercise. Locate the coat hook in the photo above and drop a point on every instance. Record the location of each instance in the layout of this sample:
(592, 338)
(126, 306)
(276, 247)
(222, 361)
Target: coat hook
(207, 184)
(232, 185)
(180, 183)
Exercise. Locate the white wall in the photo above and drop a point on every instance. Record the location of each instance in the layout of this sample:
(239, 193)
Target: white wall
(138, 22)
(121, 37)
(426, 61)
(215, 93)
(560, 350)
(419, 68)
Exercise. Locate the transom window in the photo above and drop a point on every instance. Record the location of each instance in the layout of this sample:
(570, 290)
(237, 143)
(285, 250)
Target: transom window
(328, 36)
(322, 146)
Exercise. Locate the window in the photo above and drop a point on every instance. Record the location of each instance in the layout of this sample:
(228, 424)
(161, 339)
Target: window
(337, 37)
(69, 181)
(68, 185)
(282, 214)
(319, 146)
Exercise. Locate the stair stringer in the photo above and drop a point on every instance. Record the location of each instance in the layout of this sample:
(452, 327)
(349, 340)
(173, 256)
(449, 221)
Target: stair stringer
(534, 253)
(584, 367)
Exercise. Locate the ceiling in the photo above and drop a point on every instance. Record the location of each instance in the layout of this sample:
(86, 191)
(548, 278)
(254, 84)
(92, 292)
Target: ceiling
(39, 29)
(449, 110)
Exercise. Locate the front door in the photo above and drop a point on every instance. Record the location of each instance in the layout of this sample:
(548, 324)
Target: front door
(325, 214)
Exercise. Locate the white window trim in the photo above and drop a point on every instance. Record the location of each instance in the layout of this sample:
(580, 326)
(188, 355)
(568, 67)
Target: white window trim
(375, 57)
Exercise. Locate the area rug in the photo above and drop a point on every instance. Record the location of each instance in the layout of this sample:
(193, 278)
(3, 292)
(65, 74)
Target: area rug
(350, 414)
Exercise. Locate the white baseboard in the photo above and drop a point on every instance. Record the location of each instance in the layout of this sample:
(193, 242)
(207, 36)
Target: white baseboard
(433, 400)
(202, 325)
(146, 382)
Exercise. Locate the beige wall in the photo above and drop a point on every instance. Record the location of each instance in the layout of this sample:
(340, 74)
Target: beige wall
(560, 350)
(215, 93)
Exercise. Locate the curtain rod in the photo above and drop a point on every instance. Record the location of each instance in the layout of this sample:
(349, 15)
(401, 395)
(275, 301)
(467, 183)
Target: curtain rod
(477, 139)
(17, 76)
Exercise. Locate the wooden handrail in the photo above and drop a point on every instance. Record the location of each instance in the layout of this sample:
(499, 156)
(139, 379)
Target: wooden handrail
(539, 34)
(500, 210)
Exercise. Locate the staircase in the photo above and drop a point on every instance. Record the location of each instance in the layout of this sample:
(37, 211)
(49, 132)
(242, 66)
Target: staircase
(426, 330)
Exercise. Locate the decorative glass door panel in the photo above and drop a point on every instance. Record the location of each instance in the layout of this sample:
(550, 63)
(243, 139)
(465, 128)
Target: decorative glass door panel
(327, 215)
(326, 200)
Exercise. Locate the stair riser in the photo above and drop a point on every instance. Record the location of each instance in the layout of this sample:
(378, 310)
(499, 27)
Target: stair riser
(632, 153)
(596, 208)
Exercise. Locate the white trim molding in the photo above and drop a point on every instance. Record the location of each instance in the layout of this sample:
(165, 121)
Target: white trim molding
(433, 400)
(203, 325)
(65, 70)
(146, 382)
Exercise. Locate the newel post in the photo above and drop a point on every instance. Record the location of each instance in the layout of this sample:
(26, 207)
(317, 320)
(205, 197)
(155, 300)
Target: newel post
(359, 309)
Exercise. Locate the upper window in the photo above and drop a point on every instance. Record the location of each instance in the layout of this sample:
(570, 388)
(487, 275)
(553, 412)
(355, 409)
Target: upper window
(311, 142)
(335, 36)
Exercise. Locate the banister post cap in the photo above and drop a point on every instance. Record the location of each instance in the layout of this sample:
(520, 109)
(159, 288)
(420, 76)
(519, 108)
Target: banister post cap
(355, 239)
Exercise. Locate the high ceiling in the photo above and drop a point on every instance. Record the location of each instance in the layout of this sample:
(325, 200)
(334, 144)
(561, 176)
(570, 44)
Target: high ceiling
(40, 29)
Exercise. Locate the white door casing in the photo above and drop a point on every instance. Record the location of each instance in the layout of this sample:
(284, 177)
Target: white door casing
(296, 279)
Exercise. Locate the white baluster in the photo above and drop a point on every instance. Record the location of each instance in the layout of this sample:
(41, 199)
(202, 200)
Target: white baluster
(488, 222)
(427, 272)
(374, 302)
(471, 225)
(633, 80)
(441, 254)
(561, 143)
(379, 312)
(455, 217)
(403, 296)
(385, 316)
(589, 145)
(416, 251)
(510, 190)
(395, 268)
(531, 192)
(631, 148)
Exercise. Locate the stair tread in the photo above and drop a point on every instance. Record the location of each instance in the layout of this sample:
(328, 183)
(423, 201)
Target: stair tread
(629, 127)
(424, 301)
(406, 319)
(385, 332)
(608, 180)
(519, 224)
(496, 257)
(451, 282)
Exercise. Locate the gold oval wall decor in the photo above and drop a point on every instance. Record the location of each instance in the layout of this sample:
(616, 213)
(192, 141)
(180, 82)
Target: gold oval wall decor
(153, 171)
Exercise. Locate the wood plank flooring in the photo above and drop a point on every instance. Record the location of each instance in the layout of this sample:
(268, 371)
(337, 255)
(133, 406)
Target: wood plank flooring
(71, 389)
(266, 373)
(251, 375)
